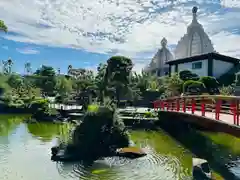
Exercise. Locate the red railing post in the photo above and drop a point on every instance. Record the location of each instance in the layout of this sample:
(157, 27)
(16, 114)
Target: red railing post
(237, 106)
(218, 108)
(233, 109)
(203, 106)
(160, 104)
(193, 105)
(167, 105)
(178, 105)
(184, 105)
(172, 105)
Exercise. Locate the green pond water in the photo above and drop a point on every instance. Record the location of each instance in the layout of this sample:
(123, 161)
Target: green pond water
(25, 155)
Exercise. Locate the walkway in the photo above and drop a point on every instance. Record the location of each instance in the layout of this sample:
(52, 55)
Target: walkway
(226, 118)
(221, 108)
(65, 107)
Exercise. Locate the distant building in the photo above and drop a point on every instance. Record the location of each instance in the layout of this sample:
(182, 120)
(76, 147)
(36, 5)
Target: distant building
(158, 65)
(193, 52)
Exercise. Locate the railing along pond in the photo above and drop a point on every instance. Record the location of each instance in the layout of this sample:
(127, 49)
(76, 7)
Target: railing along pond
(202, 104)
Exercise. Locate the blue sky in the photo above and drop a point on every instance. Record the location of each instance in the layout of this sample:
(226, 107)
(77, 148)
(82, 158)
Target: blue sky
(84, 33)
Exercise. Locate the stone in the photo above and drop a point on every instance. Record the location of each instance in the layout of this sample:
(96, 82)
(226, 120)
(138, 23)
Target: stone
(130, 152)
(201, 169)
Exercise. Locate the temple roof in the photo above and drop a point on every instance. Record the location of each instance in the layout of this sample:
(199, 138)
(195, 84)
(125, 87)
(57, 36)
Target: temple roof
(195, 41)
(162, 56)
(212, 55)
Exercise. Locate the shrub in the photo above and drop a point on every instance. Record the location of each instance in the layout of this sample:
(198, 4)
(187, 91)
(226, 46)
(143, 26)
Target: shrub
(226, 90)
(211, 84)
(40, 108)
(193, 87)
(186, 75)
(100, 132)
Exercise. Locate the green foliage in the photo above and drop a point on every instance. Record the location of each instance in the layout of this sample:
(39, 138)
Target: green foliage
(40, 104)
(193, 87)
(40, 109)
(226, 90)
(119, 69)
(173, 85)
(100, 132)
(117, 75)
(211, 84)
(93, 108)
(47, 80)
(149, 114)
(63, 86)
(99, 80)
(186, 75)
(3, 26)
(15, 81)
(114, 80)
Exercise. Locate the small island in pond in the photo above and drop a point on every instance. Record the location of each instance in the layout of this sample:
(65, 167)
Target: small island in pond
(101, 134)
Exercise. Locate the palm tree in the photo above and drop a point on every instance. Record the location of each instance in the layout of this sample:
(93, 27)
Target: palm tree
(3, 27)
(28, 68)
(9, 65)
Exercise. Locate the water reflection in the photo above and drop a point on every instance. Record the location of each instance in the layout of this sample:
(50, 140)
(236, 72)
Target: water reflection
(153, 166)
(47, 131)
(218, 149)
(30, 144)
(165, 160)
(8, 123)
(27, 146)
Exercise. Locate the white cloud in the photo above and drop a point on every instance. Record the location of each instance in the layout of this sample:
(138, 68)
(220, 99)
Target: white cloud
(230, 3)
(27, 50)
(123, 26)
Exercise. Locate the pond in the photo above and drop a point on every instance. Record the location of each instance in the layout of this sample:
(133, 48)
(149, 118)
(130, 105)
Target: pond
(25, 154)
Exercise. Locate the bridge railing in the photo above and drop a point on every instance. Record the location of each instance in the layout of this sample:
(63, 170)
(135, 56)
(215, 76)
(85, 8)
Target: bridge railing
(202, 104)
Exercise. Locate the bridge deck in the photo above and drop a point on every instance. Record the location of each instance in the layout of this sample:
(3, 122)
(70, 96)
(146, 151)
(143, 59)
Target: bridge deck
(226, 118)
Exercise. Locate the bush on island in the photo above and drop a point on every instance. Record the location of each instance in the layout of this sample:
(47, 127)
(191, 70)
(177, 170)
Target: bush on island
(100, 133)
(211, 84)
(193, 87)
(40, 108)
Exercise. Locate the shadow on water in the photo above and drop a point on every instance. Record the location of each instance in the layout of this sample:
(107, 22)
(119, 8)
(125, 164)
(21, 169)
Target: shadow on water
(219, 156)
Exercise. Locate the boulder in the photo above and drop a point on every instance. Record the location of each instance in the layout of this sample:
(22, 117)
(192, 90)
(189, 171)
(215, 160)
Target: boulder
(201, 169)
(130, 152)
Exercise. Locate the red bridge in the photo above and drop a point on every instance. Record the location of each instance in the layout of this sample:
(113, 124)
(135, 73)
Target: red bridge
(223, 109)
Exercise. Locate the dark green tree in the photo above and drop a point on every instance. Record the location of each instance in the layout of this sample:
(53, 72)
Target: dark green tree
(100, 133)
(46, 80)
(192, 87)
(99, 80)
(118, 74)
(211, 84)
(15, 81)
(186, 75)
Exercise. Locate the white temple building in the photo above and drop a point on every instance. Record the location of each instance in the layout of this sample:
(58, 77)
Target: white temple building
(194, 52)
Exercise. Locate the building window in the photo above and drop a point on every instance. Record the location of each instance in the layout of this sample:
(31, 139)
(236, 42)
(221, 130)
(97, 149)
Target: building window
(197, 65)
